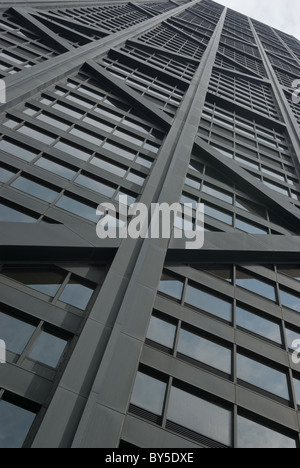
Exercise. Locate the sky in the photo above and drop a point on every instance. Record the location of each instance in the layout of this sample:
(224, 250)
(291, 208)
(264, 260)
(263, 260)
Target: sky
(281, 14)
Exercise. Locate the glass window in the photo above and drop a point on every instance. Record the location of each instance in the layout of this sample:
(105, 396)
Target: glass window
(171, 286)
(106, 127)
(58, 169)
(55, 122)
(162, 332)
(87, 136)
(18, 150)
(291, 337)
(67, 110)
(107, 166)
(119, 150)
(204, 350)
(209, 303)
(73, 150)
(40, 279)
(15, 423)
(16, 333)
(12, 215)
(35, 189)
(39, 135)
(249, 227)
(223, 216)
(290, 300)
(262, 376)
(128, 137)
(48, 349)
(193, 183)
(76, 294)
(5, 175)
(293, 272)
(297, 390)
(224, 196)
(255, 435)
(78, 208)
(149, 393)
(201, 416)
(245, 280)
(96, 185)
(258, 325)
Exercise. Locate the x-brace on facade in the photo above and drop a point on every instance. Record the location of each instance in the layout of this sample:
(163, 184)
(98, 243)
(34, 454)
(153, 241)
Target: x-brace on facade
(115, 343)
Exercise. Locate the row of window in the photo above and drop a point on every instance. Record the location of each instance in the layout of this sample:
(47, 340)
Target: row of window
(188, 412)
(252, 64)
(222, 307)
(57, 284)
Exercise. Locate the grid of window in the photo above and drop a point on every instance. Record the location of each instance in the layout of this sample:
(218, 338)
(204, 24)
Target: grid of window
(227, 204)
(164, 36)
(81, 135)
(148, 84)
(295, 107)
(17, 416)
(112, 18)
(256, 95)
(264, 150)
(205, 27)
(20, 48)
(158, 7)
(181, 68)
(250, 62)
(179, 333)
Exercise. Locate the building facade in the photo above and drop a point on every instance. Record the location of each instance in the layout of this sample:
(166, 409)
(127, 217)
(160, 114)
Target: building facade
(141, 342)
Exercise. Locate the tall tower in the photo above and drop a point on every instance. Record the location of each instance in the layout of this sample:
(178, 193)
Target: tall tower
(141, 342)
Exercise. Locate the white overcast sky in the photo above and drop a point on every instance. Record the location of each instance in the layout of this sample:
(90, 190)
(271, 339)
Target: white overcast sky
(281, 14)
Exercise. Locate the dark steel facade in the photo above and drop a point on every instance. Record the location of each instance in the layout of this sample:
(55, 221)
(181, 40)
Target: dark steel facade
(117, 343)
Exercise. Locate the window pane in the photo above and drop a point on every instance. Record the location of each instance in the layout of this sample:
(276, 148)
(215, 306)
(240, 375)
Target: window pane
(35, 189)
(254, 435)
(107, 166)
(43, 280)
(37, 134)
(10, 215)
(290, 300)
(17, 150)
(205, 351)
(245, 280)
(171, 286)
(262, 376)
(58, 169)
(219, 215)
(149, 393)
(161, 332)
(226, 197)
(258, 325)
(297, 390)
(76, 294)
(62, 125)
(48, 349)
(200, 416)
(290, 271)
(5, 175)
(15, 333)
(73, 150)
(87, 136)
(78, 208)
(95, 185)
(291, 337)
(250, 228)
(15, 423)
(209, 303)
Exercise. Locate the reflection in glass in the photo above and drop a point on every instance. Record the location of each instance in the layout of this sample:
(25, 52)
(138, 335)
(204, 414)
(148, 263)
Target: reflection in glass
(78, 208)
(35, 189)
(161, 332)
(76, 294)
(17, 150)
(258, 325)
(200, 416)
(209, 303)
(15, 423)
(290, 300)
(262, 376)
(254, 435)
(95, 185)
(149, 393)
(203, 350)
(48, 349)
(15, 333)
(5, 175)
(56, 168)
(171, 286)
(247, 281)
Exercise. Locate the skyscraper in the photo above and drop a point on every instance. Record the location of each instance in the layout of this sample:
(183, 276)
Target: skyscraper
(141, 342)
